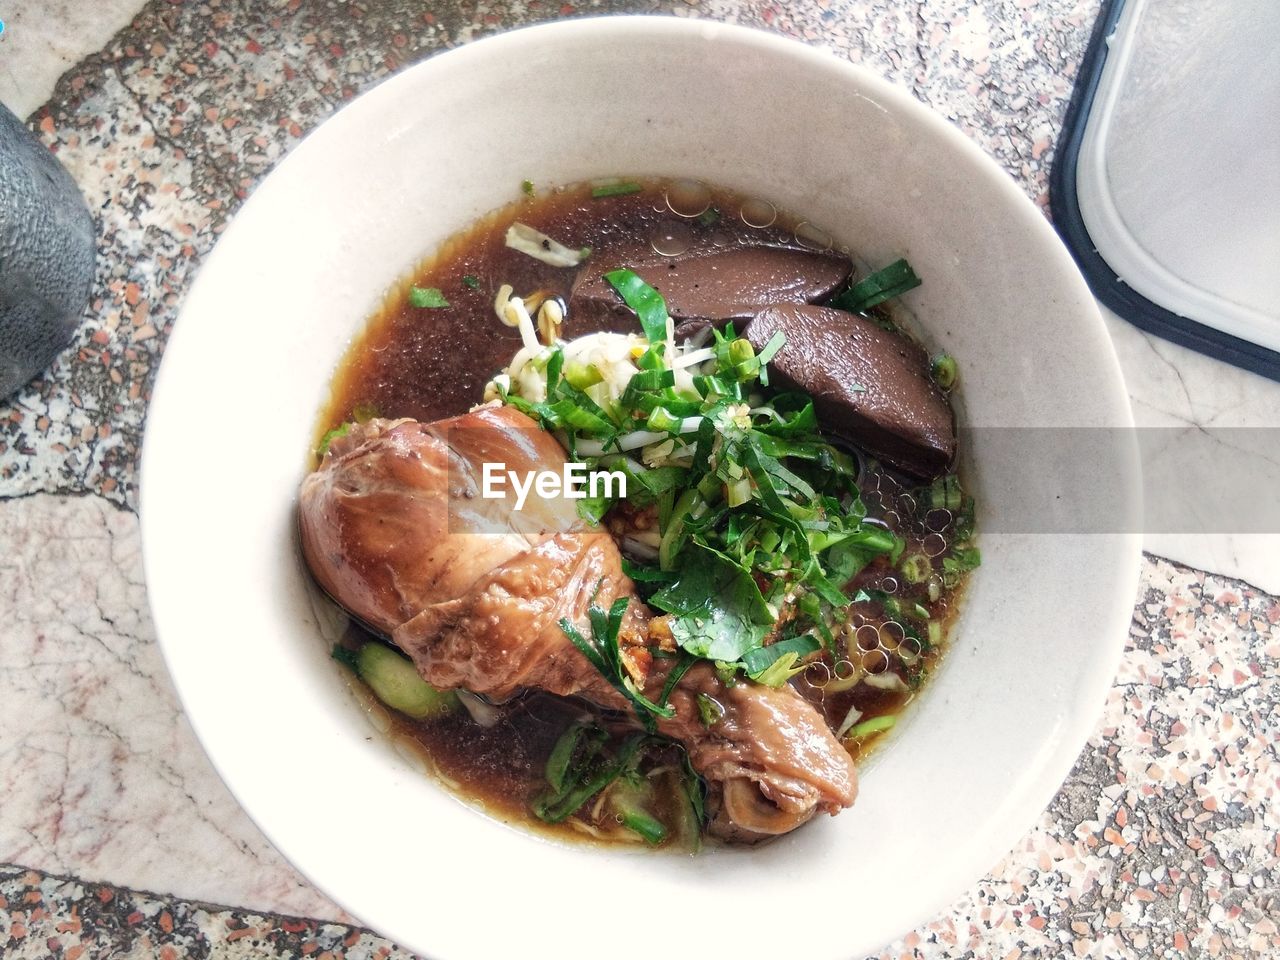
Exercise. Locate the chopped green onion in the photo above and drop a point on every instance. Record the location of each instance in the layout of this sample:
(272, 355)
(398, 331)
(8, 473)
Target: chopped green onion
(562, 754)
(470, 280)
(710, 710)
(888, 282)
(944, 370)
(340, 431)
(960, 561)
(945, 493)
(364, 412)
(708, 217)
(780, 671)
(526, 187)
(661, 419)
(582, 375)
(602, 651)
(345, 656)
(644, 300)
(916, 568)
(933, 631)
(875, 725)
(650, 830)
(614, 189)
(741, 350)
(738, 492)
(757, 661)
(585, 773)
(427, 297)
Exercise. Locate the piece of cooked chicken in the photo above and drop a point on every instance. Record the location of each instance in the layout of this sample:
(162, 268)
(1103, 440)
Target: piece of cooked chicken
(394, 529)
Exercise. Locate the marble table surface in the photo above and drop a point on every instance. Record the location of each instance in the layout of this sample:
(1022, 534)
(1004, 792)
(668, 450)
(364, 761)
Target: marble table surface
(116, 836)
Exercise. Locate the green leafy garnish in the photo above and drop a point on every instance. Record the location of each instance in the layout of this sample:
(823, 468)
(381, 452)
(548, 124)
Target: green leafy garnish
(614, 189)
(875, 725)
(760, 524)
(340, 431)
(888, 282)
(959, 561)
(427, 297)
(719, 612)
(345, 656)
(710, 710)
(944, 370)
(364, 412)
(708, 217)
(470, 280)
(602, 650)
(579, 767)
(644, 300)
(758, 662)
(526, 187)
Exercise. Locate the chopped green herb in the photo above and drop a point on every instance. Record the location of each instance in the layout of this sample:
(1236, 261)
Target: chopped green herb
(933, 632)
(602, 650)
(727, 673)
(888, 282)
(345, 656)
(781, 670)
(916, 568)
(579, 768)
(428, 297)
(961, 560)
(644, 300)
(614, 189)
(526, 187)
(760, 661)
(651, 831)
(875, 725)
(364, 412)
(469, 280)
(674, 677)
(708, 217)
(340, 431)
(710, 711)
(944, 370)
(945, 493)
(759, 517)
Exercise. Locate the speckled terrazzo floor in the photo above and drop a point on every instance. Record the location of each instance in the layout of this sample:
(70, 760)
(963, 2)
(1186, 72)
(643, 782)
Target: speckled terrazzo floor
(1163, 842)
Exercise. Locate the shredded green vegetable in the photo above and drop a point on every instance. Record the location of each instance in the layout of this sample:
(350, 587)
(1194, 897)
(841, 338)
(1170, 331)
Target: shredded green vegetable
(760, 523)
(614, 189)
(875, 725)
(601, 648)
(427, 297)
(944, 370)
(888, 282)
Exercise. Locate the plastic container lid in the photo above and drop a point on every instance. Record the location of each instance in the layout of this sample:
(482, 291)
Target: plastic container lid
(1167, 184)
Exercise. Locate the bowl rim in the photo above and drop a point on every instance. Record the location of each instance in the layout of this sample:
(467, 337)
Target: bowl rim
(1069, 738)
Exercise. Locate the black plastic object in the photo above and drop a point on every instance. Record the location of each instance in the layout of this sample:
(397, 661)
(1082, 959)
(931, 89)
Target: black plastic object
(1064, 203)
(46, 255)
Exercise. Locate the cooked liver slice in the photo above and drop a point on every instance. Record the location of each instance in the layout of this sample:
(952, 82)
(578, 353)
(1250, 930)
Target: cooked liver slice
(716, 284)
(869, 385)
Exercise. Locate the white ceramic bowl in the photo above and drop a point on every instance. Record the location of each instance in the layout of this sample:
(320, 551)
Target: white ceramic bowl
(353, 209)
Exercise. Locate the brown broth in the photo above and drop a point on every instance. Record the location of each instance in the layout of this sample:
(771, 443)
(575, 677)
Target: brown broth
(433, 363)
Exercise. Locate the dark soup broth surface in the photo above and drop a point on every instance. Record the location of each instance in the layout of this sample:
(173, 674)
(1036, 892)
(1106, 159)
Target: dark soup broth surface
(431, 353)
